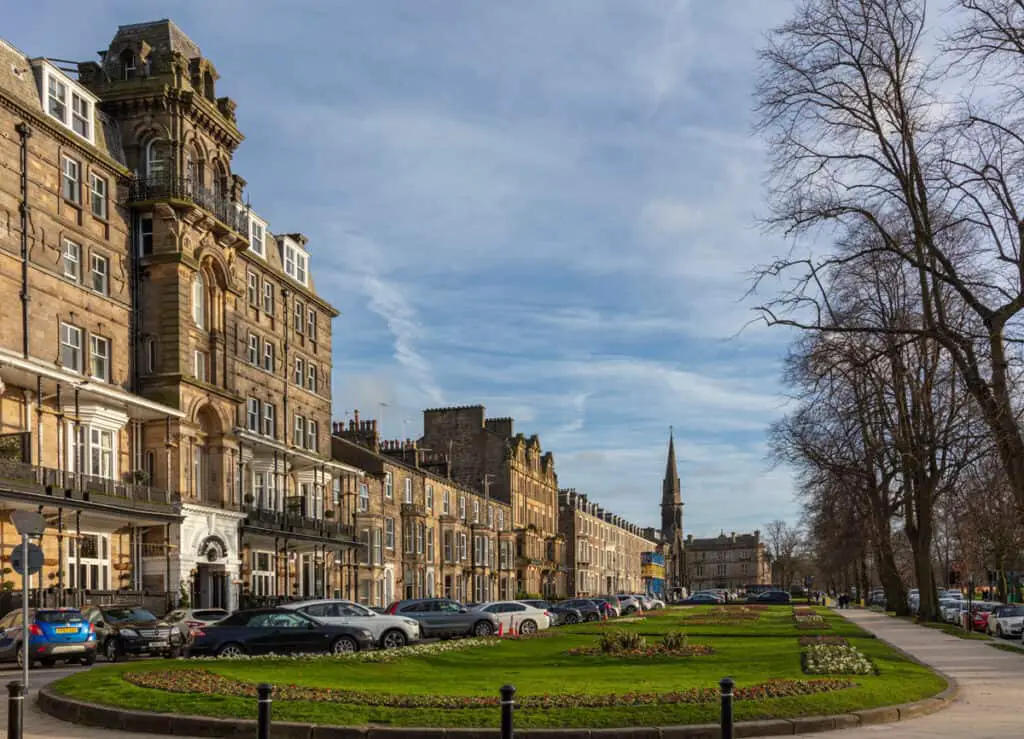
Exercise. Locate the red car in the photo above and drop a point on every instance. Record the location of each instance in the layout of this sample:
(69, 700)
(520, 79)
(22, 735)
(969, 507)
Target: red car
(980, 613)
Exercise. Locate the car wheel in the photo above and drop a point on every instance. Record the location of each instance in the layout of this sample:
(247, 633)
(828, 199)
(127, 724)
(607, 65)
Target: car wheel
(528, 627)
(112, 650)
(21, 656)
(344, 645)
(231, 650)
(591, 617)
(393, 639)
(483, 628)
(88, 659)
(173, 653)
(999, 631)
(572, 619)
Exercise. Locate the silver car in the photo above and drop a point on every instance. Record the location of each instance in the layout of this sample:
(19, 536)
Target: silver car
(389, 632)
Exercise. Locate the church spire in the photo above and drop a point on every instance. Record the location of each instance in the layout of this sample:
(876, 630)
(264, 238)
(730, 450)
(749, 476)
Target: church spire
(671, 472)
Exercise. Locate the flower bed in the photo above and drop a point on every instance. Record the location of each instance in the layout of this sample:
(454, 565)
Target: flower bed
(808, 641)
(805, 618)
(720, 615)
(204, 682)
(836, 659)
(377, 655)
(690, 650)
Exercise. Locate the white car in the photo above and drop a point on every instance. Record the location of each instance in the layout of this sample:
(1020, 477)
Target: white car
(1006, 621)
(389, 632)
(513, 614)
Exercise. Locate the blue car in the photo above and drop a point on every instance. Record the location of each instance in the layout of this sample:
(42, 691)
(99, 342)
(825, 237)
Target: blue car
(54, 634)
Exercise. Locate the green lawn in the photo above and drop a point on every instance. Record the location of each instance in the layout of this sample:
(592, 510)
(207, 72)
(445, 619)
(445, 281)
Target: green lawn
(750, 652)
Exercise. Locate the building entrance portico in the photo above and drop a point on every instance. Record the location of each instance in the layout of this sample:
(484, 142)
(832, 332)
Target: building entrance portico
(210, 566)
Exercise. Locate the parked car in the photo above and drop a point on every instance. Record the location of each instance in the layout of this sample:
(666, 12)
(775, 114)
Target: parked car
(186, 619)
(589, 609)
(513, 614)
(560, 613)
(132, 630)
(610, 607)
(1006, 621)
(277, 631)
(443, 617)
(656, 603)
(389, 632)
(980, 613)
(774, 596)
(702, 599)
(54, 634)
(629, 604)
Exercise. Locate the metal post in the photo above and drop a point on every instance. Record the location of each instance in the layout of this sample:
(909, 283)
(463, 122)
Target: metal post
(726, 685)
(25, 633)
(263, 700)
(508, 704)
(15, 709)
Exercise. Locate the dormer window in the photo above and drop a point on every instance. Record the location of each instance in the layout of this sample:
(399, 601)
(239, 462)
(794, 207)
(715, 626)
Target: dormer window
(257, 233)
(129, 64)
(66, 102)
(296, 263)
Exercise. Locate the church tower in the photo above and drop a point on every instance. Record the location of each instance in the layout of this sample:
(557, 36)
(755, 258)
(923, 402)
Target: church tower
(672, 522)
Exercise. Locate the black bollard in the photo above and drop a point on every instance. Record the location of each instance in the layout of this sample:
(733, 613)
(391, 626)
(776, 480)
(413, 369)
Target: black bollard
(263, 700)
(15, 709)
(725, 685)
(508, 704)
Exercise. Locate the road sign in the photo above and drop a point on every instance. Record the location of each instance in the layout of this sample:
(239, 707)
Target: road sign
(35, 559)
(28, 523)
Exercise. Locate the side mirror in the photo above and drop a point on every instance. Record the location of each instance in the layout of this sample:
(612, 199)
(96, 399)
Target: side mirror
(463, 610)
(310, 626)
(99, 624)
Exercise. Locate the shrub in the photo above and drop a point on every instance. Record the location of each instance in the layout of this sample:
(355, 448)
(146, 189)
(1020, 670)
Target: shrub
(614, 642)
(674, 640)
(836, 659)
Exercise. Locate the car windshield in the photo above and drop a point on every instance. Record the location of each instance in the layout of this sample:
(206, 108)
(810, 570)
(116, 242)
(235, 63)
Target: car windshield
(58, 617)
(127, 613)
(1011, 611)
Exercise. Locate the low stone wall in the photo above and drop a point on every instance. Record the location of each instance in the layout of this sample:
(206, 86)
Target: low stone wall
(147, 722)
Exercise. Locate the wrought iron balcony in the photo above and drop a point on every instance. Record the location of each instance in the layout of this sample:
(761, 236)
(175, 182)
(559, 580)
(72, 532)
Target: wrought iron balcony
(175, 187)
(290, 523)
(21, 477)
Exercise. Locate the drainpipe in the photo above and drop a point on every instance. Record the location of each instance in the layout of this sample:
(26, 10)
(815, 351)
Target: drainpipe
(24, 133)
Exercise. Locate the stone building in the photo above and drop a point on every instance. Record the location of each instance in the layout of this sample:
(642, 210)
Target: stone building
(184, 346)
(421, 533)
(731, 562)
(73, 435)
(487, 454)
(606, 551)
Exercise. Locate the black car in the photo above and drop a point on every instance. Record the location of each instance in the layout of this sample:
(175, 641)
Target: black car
(132, 630)
(774, 596)
(559, 612)
(589, 610)
(276, 631)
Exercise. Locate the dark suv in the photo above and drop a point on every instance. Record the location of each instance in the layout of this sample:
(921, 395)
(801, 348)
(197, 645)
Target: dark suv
(443, 617)
(132, 630)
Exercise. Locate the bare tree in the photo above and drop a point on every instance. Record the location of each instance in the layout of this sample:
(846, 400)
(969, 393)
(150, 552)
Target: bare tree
(783, 543)
(867, 152)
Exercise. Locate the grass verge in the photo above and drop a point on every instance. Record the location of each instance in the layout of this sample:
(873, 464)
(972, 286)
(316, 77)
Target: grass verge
(753, 652)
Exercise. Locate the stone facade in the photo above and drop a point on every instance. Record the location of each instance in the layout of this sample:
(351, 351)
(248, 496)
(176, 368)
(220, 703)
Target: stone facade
(421, 533)
(176, 349)
(606, 552)
(487, 455)
(727, 561)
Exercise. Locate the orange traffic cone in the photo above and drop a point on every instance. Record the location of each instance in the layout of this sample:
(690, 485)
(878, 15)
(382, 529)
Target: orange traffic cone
(605, 612)
(512, 628)
(501, 628)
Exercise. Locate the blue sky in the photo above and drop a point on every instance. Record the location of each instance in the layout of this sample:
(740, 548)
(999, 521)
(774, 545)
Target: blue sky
(543, 207)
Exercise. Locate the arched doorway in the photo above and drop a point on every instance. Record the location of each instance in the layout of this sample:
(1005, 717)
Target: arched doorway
(211, 587)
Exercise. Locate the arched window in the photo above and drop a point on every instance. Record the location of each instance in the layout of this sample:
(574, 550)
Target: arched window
(199, 300)
(156, 162)
(129, 64)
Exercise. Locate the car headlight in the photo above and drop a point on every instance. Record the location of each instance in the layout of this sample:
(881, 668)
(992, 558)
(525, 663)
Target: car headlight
(411, 622)
(366, 633)
(129, 633)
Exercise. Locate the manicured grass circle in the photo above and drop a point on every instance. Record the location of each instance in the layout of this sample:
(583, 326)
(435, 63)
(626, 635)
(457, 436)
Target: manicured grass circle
(460, 688)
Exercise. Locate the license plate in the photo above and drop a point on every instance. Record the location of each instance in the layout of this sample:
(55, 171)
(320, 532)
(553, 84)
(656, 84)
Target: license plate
(157, 644)
(66, 629)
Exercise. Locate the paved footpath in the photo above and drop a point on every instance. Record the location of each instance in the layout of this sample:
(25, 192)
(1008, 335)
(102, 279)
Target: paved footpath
(991, 684)
(988, 707)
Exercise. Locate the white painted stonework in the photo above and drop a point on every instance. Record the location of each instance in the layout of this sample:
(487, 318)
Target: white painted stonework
(201, 523)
